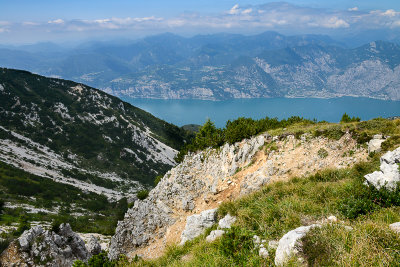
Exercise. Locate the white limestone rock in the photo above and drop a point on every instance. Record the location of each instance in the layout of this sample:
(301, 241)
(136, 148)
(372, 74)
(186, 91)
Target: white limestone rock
(389, 175)
(263, 253)
(395, 227)
(93, 246)
(214, 235)
(28, 236)
(256, 240)
(196, 224)
(287, 244)
(273, 244)
(374, 145)
(226, 222)
(37, 247)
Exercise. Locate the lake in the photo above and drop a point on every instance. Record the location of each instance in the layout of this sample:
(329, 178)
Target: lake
(187, 111)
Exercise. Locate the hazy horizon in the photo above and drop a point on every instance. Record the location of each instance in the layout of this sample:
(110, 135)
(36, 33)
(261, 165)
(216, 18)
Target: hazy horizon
(27, 22)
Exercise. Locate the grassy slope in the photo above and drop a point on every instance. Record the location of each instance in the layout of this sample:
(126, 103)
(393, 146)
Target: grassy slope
(283, 206)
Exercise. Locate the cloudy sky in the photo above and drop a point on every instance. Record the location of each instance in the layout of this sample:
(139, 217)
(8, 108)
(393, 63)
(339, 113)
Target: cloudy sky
(28, 21)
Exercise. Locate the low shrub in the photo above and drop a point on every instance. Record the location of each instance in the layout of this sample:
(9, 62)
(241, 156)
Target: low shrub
(142, 194)
(322, 153)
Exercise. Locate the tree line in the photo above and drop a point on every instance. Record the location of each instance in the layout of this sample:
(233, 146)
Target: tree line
(234, 131)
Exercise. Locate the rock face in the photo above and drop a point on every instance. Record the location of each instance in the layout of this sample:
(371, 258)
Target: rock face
(389, 174)
(196, 224)
(287, 244)
(37, 247)
(207, 178)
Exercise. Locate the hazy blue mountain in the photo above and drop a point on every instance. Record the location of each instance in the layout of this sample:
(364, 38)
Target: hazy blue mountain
(221, 66)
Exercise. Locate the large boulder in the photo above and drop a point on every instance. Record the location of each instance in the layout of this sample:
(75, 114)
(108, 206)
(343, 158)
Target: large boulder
(196, 224)
(374, 145)
(287, 246)
(389, 174)
(38, 247)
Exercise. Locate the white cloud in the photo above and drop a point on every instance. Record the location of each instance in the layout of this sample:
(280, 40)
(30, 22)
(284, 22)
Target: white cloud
(234, 10)
(30, 23)
(396, 24)
(277, 16)
(56, 21)
(247, 11)
(390, 13)
(335, 23)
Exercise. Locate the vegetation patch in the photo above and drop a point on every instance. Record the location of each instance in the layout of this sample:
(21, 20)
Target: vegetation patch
(94, 213)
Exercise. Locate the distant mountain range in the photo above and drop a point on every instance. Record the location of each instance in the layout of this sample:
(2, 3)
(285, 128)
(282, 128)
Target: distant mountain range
(221, 66)
(78, 135)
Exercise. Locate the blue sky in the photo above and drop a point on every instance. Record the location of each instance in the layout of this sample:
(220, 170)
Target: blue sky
(62, 20)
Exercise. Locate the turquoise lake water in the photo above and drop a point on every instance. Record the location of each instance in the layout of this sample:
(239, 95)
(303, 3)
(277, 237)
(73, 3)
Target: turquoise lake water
(181, 112)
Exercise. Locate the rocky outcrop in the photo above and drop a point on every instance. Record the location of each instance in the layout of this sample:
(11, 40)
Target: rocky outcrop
(196, 224)
(207, 178)
(389, 175)
(38, 247)
(197, 177)
(93, 246)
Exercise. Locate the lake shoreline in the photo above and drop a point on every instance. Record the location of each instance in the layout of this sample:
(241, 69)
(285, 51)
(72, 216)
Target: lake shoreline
(195, 111)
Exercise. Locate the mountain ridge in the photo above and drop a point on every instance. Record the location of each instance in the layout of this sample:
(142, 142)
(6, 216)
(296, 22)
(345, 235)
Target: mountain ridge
(224, 66)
